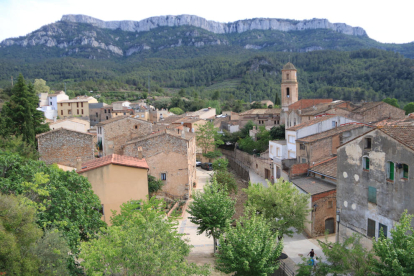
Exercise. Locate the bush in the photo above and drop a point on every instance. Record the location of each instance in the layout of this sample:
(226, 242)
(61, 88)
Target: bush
(220, 164)
(226, 179)
(154, 185)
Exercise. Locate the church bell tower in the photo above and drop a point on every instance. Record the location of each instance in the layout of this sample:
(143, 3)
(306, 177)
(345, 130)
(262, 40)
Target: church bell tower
(289, 87)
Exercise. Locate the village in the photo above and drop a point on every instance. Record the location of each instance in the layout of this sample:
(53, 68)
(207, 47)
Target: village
(353, 160)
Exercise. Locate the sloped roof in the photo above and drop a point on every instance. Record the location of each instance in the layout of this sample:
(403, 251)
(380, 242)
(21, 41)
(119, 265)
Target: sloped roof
(62, 129)
(313, 186)
(403, 134)
(112, 120)
(407, 121)
(73, 119)
(115, 159)
(331, 132)
(306, 103)
(327, 167)
(311, 122)
(289, 66)
(262, 111)
(366, 106)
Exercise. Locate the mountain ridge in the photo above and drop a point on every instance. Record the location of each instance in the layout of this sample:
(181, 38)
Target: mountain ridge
(238, 26)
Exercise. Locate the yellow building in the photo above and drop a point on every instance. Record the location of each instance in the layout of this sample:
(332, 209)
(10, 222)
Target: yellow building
(116, 179)
(78, 106)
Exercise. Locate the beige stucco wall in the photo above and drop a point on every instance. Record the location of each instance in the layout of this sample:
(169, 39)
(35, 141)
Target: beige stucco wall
(76, 126)
(115, 185)
(75, 108)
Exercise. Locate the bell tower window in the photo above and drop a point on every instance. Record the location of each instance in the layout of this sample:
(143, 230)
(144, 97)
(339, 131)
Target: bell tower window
(287, 92)
(287, 76)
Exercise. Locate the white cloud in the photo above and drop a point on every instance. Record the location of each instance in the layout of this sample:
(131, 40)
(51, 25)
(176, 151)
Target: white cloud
(383, 22)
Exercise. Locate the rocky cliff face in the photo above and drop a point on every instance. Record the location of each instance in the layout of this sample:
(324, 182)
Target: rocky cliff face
(216, 27)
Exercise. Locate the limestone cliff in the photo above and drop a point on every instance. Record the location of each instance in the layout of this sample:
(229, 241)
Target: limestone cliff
(216, 27)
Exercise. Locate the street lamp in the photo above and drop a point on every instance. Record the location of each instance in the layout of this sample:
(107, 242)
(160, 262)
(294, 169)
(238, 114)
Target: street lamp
(338, 218)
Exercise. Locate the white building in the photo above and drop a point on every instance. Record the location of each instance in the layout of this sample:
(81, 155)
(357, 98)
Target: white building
(48, 103)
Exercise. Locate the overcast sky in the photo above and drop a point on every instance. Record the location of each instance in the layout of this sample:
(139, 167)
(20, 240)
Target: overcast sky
(384, 21)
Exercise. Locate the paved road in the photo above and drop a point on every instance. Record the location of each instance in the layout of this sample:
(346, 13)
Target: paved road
(201, 243)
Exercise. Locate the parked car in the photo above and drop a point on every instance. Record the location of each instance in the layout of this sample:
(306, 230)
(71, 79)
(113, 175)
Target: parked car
(207, 166)
(198, 163)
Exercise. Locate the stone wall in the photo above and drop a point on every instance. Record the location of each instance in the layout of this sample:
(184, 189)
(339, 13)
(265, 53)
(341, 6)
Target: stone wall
(169, 154)
(241, 169)
(64, 146)
(382, 111)
(117, 133)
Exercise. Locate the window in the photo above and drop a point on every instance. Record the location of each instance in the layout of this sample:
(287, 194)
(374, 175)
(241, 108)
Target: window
(294, 122)
(68, 104)
(367, 143)
(96, 114)
(371, 228)
(405, 171)
(69, 112)
(303, 160)
(278, 152)
(82, 111)
(107, 117)
(287, 92)
(287, 76)
(61, 112)
(275, 122)
(50, 103)
(101, 210)
(302, 147)
(330, 204)
(124, 113)
(334, 124)
(257, 166)
(163, 176)
(105, 110)
(77, 111)
(365, 162)
(77, 104)
(382, 228)
(390, 171)
(109, 111)
(61, 104)
(136, 126)
(372, 194)
(142, 116)
(81, 104)
(291, 139)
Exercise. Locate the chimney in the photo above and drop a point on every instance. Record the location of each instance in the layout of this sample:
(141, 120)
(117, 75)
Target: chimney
(78, 164)
(140, 152)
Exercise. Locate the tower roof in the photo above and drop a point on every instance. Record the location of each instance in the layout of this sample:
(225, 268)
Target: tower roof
(289, 66)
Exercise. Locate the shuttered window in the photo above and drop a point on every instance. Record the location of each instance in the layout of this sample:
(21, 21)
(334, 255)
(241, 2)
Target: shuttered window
(372, 194)
(390, 170)
(405, 171)
(365, 163)
(371, 228)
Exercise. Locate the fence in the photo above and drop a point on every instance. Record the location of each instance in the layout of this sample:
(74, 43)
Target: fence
(283, 270)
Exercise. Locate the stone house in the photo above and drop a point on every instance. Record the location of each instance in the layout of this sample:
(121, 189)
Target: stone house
(192, 123)
(374, 177)
(95, 110)
(261, 117)
(64, 146)
(205, 113)
(112, 134)
(78, 106)
(293, 116)
(314, 148)
(115, 110)
(171, 157)
(75, 124)
(156, 115)
(116, 179)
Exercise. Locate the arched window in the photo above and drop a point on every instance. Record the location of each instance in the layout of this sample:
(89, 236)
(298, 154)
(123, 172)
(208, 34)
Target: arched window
(287, 92)
(287, 76)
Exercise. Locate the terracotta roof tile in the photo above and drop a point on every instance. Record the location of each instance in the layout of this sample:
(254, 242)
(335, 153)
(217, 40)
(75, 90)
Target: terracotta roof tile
(327, 167)
(311, 122)
(403, 134)
(331, 132)
(115, 159)
(306, 103)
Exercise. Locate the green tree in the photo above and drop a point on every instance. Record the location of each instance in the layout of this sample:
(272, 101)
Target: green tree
(409, 108)
(181, 93)
(64, 200)
(250, 248)
(176, 110)
(154, 185)
(212, 210)
(226, 180)
(277, 132)
(40, 86)
(12, 144)
(281, 203)
(347, 258)
(257, 105)
(207, 137)
(18, 233)
(220, 164)
(246, 129)
(216, 95)
(396, 254)
(140, 242)
(391, 101)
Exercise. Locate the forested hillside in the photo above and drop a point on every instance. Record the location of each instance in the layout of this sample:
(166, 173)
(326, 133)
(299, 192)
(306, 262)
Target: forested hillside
(240, 66)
